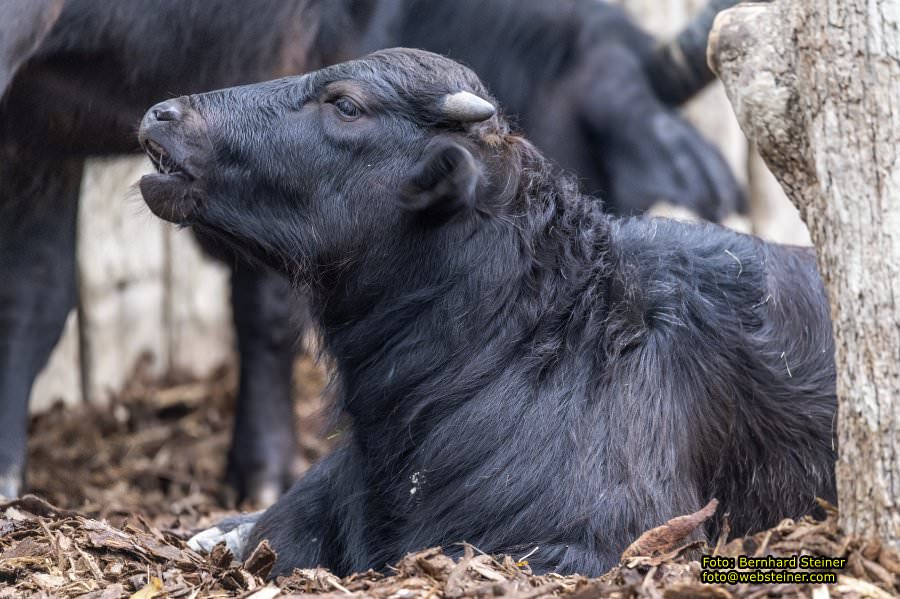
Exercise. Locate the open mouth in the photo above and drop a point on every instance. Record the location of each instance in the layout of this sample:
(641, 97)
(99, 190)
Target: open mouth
(163, 161)
(172, 193)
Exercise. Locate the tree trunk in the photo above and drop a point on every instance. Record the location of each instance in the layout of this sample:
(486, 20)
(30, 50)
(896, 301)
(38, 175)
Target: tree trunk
(816, 84)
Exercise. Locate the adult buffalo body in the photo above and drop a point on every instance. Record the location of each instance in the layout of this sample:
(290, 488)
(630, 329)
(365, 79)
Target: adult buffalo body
(83, 72)
(519, 369)
(571, 59)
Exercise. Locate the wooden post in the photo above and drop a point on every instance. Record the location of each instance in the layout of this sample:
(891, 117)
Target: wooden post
(145, 289)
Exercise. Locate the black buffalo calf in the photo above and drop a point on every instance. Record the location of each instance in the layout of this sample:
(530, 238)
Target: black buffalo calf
(591, 89)
(518, 368)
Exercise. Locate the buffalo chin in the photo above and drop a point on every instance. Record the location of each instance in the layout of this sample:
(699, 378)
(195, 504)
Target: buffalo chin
(169, 196)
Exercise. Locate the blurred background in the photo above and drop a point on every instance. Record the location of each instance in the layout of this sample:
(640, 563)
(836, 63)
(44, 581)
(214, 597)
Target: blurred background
(150, 299)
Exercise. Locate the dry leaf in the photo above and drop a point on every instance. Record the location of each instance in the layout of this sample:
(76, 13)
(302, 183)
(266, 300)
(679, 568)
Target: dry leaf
(668, 536)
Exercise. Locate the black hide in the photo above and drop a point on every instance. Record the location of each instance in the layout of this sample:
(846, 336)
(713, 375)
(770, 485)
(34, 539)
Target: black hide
(524, 371)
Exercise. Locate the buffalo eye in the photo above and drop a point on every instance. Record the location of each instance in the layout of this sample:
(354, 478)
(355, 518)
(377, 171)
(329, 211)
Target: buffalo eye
(346, 108)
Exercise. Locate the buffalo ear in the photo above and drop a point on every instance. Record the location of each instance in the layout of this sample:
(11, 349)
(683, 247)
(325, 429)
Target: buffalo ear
(442, 184)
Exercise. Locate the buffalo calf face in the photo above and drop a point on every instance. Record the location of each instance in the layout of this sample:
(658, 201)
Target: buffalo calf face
(312, 172)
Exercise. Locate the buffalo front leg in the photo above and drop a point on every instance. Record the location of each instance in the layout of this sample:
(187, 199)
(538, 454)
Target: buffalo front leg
(269, 319)
(321, 520)
(38, 208)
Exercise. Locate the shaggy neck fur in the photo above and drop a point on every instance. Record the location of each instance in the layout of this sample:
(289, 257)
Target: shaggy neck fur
(437, 319)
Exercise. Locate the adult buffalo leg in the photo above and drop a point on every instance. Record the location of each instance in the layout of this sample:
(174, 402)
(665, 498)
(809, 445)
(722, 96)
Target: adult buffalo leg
(38, 208)
(269, 318)
(651, 153)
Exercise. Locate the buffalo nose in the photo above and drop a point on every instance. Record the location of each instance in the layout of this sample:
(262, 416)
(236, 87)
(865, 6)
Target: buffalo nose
(170, 110)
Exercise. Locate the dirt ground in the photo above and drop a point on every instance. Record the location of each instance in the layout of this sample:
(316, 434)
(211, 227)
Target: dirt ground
(118, 489)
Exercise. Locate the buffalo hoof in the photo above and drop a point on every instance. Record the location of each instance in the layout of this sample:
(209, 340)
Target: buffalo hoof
(10, 483)
(233, 531)
(264, 491)
(261, 481)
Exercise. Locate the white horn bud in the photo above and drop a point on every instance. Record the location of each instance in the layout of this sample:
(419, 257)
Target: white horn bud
(466, 107)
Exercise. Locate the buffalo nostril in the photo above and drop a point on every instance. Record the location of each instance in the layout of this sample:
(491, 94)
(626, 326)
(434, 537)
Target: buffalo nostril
(167, 111)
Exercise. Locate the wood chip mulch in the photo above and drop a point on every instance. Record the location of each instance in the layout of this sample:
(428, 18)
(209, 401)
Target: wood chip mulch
(159, 448)
(119, 489)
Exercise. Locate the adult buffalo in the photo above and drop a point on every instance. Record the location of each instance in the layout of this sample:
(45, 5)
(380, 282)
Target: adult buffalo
(518, 369)
(82, 77)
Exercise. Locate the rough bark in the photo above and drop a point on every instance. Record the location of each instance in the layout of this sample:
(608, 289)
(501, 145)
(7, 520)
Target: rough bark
(772, 216)
(816, 84)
